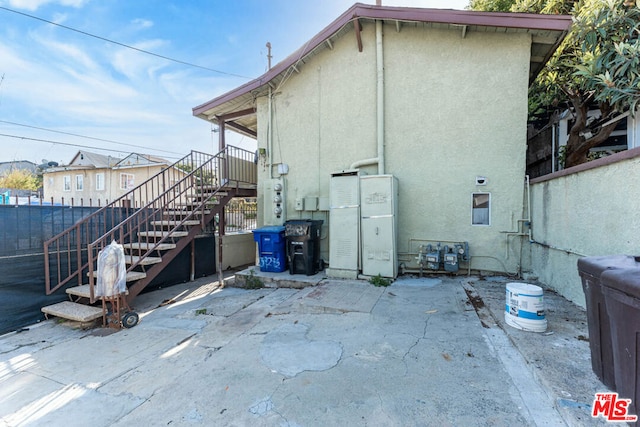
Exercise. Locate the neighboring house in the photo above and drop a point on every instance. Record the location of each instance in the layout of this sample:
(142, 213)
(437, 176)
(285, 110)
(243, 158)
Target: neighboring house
(18, 165)
(435, 98)
(545, 151)
(95, 179)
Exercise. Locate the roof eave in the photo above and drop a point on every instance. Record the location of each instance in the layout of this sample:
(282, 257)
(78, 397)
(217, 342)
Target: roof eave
(560, 23)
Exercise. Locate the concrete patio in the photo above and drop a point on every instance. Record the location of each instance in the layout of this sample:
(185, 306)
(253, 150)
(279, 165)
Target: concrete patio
(430, 351)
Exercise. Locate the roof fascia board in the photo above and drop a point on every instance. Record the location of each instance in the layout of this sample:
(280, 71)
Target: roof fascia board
(466, 17)
(446, 16)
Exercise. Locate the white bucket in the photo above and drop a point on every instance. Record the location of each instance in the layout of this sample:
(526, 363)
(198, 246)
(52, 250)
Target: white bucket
(525, 307)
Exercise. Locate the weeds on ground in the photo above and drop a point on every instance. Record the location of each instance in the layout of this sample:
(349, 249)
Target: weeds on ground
(379, 281)
(253, 282)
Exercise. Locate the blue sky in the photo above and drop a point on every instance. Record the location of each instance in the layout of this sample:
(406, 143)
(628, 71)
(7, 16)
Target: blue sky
(89, 90)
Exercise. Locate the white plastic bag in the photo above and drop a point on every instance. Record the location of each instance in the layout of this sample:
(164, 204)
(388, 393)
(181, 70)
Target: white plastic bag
(112, 271)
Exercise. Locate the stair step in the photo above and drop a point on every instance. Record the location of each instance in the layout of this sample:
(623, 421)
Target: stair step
(132, 276)
(130, 259)
(208, 194)
(192, 205)
(207, 187)
(73, 311)
(147, 246)
(169, 223)
(82, 291)
(161, 234)
(185, 213)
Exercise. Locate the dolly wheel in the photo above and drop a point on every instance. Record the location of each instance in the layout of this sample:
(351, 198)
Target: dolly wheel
(130, 319)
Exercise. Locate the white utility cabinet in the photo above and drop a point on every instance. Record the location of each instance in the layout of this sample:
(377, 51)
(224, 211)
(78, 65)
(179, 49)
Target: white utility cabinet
(344, 225)
(378, 210)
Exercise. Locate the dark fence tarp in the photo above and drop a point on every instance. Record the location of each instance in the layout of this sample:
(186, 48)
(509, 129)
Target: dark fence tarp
(23, 231)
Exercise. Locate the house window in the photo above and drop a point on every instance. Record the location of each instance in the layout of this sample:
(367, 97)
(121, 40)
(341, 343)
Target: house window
(481, 209)
(99, 181)
(66, 183)
(79, 182)
(126, 181)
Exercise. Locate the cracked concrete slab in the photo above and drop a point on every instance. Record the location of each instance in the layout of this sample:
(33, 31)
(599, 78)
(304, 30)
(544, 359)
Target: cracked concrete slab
(338, 296)
(288, 351)
(338, 353)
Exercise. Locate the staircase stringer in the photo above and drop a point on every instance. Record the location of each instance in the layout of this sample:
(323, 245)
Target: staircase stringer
(168, 256)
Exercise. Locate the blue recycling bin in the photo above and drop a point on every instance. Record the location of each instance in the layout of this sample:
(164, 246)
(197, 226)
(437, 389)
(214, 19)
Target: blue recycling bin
(271, 248)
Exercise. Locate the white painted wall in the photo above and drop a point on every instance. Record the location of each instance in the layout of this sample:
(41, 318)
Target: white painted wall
(455, 108)
(592, 212)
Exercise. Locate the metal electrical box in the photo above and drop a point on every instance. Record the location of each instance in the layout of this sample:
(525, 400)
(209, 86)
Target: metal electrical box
(378, 209)
(344, 225)
(274, 202)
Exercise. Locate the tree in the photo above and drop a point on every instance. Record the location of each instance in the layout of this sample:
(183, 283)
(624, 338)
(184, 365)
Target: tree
(595, 67)
(491, 5)
(19, 179)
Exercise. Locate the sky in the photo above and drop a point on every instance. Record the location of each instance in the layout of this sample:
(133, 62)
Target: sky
(79, 85)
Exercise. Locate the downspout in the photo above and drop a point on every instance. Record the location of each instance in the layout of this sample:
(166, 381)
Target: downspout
(529, 207)
(380, 93)
(554, 129)
(379, 107)
(270, 135)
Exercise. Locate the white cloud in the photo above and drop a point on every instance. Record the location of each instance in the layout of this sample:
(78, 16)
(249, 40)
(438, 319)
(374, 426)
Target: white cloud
(134, 65)
(35, 4)
(62, 52)
(142, 23)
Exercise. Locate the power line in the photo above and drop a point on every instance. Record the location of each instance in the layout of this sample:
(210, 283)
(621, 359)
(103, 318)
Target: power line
(88, 137)
(67, 144)
(124, 45)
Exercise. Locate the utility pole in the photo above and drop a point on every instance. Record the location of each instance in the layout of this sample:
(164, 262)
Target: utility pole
(269, 55)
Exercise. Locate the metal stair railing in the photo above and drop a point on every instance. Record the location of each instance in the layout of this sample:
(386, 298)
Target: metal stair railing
(71, 254)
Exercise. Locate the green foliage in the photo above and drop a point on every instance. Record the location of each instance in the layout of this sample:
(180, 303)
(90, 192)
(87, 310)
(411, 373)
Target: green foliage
(379, 281)
(597, 66)
(201, 311)
(611, 66)
(20, 179)
(253, 282)
(491, 5)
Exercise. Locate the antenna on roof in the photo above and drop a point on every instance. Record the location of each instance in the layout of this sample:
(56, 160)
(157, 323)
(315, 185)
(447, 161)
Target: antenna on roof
(269, 55)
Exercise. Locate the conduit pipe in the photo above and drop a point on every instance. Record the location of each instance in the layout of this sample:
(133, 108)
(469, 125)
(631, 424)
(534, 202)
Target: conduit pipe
(380, 96)
(379, 107)
(270, 135)
(365, 162)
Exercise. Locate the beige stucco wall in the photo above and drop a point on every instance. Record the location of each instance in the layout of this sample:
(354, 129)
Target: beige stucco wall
(586, 213)
(455, 108)
(53, 184)
(238, 249)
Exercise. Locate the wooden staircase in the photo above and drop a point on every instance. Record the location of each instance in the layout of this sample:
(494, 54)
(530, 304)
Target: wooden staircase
(154, 222)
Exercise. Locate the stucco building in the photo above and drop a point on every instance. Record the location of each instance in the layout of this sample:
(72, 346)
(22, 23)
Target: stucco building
(435, 98)
(92, 179)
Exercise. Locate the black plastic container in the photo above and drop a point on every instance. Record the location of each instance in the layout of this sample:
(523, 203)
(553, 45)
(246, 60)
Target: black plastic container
(303, 246)
(621, 289)
(591, 270)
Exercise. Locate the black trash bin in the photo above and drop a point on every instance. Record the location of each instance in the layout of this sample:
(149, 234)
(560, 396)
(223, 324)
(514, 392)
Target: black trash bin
(621, 289)
(590, 270)
(303, 246)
